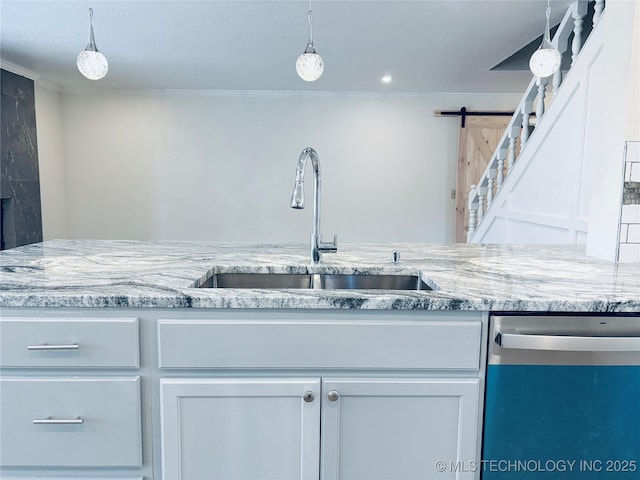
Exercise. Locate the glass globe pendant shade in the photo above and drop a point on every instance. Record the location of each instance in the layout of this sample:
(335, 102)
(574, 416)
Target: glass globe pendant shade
(309, 66)
(544, 62)
(547, 59)
(91, 63)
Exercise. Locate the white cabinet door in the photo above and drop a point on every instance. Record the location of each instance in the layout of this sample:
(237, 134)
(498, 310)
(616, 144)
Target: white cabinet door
(387, 429)
(240, 429)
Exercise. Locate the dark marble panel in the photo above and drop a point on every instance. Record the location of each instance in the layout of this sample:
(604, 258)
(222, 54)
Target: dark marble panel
(27, 214)
(19, 173)
(19, 160)
(18, 105)
(7, 224)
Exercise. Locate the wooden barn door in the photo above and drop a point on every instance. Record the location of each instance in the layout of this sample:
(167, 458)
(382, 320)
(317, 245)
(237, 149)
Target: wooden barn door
(477, 141)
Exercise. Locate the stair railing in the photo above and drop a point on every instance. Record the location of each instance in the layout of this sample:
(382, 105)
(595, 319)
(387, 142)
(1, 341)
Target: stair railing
(519, 129)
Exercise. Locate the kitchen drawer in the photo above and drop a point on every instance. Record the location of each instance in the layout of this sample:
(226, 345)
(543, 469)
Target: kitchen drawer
(109, 408)
(356, 344)
(69, 342)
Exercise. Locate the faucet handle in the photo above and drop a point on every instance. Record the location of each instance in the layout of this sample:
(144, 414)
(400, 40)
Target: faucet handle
(329, 247)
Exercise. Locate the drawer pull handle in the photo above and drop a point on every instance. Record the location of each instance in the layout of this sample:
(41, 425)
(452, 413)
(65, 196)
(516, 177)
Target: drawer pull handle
(58, 421)
(46, 346)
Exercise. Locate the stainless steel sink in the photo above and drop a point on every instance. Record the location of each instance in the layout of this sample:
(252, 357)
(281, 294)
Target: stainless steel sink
(258, 280)
(372, 282)
(315, 281)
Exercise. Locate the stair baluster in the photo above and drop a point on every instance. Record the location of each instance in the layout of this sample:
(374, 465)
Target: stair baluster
(578, 15)
(557, 80)
(482, 194)
(542, 87)
(513, 138)
(598, 11)
(527, 109)
(490, 183)
(473, 208)
(502, 154)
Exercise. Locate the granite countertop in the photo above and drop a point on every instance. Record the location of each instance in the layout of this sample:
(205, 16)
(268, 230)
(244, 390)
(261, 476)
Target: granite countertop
(163, 274)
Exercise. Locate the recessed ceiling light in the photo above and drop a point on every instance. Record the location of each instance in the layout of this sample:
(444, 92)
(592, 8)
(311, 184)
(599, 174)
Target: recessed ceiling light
(386, 79)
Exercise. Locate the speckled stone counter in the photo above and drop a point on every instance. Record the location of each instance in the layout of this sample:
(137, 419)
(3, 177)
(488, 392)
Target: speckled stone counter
(97, 273)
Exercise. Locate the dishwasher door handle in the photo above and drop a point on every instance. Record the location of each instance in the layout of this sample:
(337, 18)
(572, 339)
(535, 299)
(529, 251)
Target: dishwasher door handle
(567, 343)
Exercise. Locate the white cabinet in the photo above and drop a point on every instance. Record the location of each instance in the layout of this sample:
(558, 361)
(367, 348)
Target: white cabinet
(305, 398)
(70, 397)
(386, 429)
(396, 429)
(269, 394)
(232, 429)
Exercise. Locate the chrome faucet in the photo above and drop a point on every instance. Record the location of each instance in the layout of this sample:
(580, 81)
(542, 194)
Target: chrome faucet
(297, 201)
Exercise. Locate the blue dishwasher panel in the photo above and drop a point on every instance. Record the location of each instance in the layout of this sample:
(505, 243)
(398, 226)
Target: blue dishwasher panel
(562, 422)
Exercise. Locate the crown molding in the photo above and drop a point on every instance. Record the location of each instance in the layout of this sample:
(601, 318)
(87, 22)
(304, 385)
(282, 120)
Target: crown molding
(18, 70)
(272, 93)
(38, 80)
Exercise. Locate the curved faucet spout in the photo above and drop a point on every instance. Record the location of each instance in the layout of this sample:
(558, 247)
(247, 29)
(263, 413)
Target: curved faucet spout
(297, 201)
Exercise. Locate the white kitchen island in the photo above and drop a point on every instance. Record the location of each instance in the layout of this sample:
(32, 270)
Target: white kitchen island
(131, 372)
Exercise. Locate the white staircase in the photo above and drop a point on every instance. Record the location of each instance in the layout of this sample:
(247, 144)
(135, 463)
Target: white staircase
(536, 188)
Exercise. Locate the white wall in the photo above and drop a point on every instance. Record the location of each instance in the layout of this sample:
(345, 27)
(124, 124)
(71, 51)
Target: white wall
(51, 162)
(606, 128)
(221, 166)
(633, 129)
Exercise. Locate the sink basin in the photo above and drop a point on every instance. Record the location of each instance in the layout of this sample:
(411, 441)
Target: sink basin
(315, 281)
(258, 280)
(372, 282)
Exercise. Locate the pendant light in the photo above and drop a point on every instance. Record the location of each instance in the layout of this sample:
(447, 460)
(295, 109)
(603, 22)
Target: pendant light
(310, 65)
(547, 59)
(91, 63)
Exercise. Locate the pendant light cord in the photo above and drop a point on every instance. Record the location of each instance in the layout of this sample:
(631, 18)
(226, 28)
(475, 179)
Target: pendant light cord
(92, 41)
(546, 41)
(310, 15)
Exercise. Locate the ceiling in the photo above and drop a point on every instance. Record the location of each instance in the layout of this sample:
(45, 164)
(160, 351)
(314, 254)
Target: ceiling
(426, 45)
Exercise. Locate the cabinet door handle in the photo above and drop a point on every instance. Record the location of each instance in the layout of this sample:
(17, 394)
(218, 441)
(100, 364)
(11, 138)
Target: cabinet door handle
(308, 396)
(46, 346)
(333, 395)
(58, 421)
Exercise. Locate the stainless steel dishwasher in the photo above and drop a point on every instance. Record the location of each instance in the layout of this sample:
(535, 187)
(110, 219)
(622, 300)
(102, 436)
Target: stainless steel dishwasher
(562, 398)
